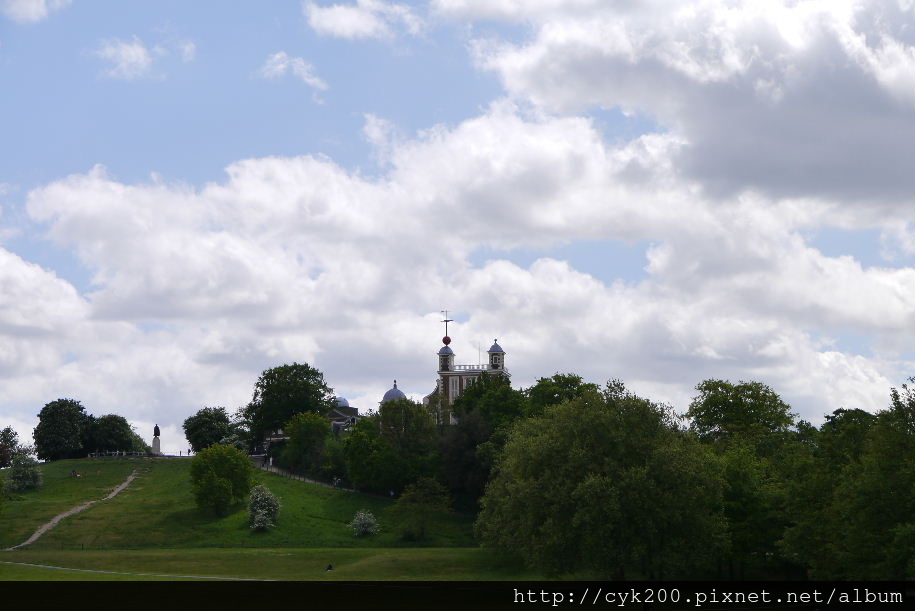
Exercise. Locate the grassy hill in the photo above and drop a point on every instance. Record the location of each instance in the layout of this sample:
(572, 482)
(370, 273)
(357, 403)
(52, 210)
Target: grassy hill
(153, 530)
(158, 511)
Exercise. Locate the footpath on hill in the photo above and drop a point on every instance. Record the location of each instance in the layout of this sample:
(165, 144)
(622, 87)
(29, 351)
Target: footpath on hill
(75, 510)
(262, 464)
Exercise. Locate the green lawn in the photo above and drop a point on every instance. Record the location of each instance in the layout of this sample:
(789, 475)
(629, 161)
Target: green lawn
(25, 512)
(153, 528)
(158, 510)
(350, 564)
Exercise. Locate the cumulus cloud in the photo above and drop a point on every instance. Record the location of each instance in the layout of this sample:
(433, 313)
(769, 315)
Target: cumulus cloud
(129, 59)
(298, 259)
(30, 11)
(280, 64)
(774, 122)
(364, 19)
(779, 97)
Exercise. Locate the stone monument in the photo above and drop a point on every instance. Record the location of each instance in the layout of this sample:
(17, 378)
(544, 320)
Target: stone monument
(155, 444)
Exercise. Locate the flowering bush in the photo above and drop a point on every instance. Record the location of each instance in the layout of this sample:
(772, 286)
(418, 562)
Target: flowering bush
(263, 508)
(364, 523)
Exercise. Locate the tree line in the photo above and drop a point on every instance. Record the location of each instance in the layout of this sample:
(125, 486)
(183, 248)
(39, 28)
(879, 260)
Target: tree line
(66, 430)
(586, 479)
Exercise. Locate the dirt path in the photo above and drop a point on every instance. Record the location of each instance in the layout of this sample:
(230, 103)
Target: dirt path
(75, 510)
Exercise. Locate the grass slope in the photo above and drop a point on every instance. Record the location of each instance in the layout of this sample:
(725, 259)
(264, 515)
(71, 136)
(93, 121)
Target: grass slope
(25, 512)
(158, 510)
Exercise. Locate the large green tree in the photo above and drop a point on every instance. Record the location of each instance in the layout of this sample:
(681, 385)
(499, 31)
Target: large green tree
(208, 426)
(874, 505)
(221, 476)
(558, 388)
(308, 434)
(818, 476)
(751, 411)
(493, 398)
(282, 392)
(604, 483)
(62, 427)
(110, 433)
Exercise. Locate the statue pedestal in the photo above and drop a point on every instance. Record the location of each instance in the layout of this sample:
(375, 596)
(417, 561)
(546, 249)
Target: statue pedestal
(155, 447)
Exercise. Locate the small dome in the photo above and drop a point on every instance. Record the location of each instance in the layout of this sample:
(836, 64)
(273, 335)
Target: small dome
(341, 402)
(394, 393)
(445, 350)
(495, 347)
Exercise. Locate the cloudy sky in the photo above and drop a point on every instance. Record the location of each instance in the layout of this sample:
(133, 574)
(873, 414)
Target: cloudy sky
(661, 192)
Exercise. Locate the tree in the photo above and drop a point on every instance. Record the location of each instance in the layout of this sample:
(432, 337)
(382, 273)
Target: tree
(421, 503)
(308, 433)
(559, 388)
(62, 426)
(816, 481)
(874, 506)
(110, 433)
(281, 393)
(604, 482)
(221, 477)
(751, 410)
(208, 426)
(494, 399)
(464, 469)
(24, 474)
(9, 443)
(371, 465)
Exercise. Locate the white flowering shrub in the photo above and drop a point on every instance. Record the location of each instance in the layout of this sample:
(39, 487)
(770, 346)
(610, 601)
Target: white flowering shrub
(263, 509)
(364, 523)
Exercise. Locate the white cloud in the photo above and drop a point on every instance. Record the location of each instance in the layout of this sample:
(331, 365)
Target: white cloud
(280, 64)
(298, 259)
(129, 59)
(30, 11)
(364, 19)
(777, 96)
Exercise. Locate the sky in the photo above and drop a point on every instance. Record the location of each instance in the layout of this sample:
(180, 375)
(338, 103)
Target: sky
(659, 192)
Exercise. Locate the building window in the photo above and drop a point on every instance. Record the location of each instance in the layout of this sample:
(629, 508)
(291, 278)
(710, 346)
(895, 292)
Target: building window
(455, 389)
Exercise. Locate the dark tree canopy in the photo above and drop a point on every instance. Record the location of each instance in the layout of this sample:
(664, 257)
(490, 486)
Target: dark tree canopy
(723, 410)
(556, 389)
(494, 399)
(9, 444)
(208, 426)
(602, 482)
(63, 426)
(282, 392)
(308, 434)
(421, 504)
(110, 433)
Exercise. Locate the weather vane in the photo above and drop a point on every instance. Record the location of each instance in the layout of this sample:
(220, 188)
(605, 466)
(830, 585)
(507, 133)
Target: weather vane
(446, 340)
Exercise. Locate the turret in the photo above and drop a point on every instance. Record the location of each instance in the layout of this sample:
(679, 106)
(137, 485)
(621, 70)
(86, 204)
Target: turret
(496, 356)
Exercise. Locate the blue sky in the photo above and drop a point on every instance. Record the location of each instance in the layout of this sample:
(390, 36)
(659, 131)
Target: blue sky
(191, 192)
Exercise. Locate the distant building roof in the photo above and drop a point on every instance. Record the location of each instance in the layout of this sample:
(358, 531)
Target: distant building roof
(394, 393)
(495, 347)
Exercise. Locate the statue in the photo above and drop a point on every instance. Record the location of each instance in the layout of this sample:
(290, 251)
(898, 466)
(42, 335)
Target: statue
(156, 448)
(156, 431)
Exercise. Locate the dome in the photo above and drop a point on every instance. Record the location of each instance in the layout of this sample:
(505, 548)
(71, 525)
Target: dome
(393, 394)
(495, 347)
(445, 350)
(341, 402)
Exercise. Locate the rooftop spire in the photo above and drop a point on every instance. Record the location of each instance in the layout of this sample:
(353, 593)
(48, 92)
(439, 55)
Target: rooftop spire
(446, 340)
